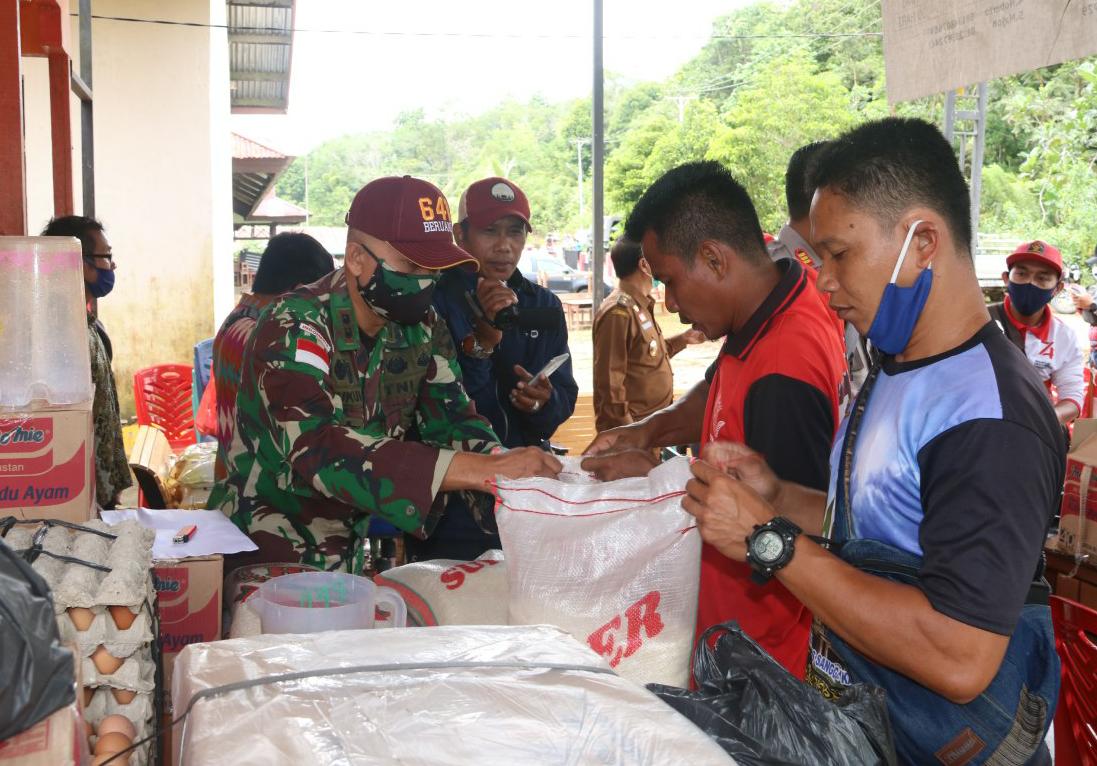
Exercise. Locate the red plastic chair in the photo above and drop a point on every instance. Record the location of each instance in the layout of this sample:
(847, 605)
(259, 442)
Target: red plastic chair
(162, 396)
(1076, 717)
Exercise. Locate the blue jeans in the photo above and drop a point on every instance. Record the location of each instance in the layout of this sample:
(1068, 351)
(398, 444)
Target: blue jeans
(1006, 723)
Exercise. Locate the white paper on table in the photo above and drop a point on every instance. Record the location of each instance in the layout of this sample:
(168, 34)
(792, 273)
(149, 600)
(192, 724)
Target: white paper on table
(215, 534)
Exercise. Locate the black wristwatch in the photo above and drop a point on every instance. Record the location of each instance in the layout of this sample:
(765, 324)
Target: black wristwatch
(770, 547)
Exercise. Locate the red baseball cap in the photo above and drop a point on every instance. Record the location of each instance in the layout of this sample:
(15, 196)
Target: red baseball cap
(1037, 251)
(486, 201)
(413, 216)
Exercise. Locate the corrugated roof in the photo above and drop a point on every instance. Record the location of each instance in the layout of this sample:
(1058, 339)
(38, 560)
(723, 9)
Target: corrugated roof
(277, 208)
(260, 54)
(255, 168)
(248, 149)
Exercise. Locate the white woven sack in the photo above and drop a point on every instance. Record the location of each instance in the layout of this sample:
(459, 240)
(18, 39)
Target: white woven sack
(445, 592)
(616, 564)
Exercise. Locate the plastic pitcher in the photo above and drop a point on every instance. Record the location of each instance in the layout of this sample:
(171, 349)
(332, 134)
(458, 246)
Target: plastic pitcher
(43, 324)
(311, 602)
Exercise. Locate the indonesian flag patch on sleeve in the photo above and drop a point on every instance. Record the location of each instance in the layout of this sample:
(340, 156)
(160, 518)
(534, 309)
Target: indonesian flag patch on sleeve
(312, 353)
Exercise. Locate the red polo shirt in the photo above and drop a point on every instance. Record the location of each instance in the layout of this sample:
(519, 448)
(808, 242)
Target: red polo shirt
(777, 387)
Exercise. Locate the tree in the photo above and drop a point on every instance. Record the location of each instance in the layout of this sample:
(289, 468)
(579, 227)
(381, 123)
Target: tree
(787, 106)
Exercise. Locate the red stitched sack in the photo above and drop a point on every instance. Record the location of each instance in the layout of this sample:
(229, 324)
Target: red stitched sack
(616, 564)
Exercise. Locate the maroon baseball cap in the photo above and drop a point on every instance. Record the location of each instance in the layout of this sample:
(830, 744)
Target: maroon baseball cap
(1037, 251)
(486, 201)
(413, 216)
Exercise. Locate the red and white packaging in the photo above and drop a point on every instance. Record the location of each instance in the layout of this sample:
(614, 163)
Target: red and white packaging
(189, 603)
(1078, 519)
(46, 464)
(445, 592)
(616, 564)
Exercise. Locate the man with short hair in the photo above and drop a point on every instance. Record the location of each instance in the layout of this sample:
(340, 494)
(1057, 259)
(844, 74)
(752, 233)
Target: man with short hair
(793, 239)
(350, 401)
(1033, 276)
(498, 358)
(632, 374)
(290, 259)
(777, 384)
(112, 472)
(942, 479)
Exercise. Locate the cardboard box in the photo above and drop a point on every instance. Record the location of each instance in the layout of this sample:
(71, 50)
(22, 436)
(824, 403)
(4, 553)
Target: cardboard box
(189, 597)
(53, 741)
(1078, 521)
(47, 464)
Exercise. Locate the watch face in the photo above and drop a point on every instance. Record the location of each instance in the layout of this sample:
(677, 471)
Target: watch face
(767, 546)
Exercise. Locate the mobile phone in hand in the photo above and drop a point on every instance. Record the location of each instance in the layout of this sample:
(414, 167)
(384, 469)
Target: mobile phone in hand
(553, 365)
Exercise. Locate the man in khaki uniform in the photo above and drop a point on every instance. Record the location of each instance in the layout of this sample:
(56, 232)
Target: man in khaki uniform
(632, 375)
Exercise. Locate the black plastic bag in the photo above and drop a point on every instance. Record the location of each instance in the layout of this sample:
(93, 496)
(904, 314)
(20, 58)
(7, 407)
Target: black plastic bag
(760, 714)
(36, 672)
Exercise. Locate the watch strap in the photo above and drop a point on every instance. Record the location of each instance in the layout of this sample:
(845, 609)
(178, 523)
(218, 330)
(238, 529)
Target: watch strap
(789, 531)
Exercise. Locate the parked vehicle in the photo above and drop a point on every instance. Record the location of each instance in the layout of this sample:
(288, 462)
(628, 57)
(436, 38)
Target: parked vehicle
(561, 277)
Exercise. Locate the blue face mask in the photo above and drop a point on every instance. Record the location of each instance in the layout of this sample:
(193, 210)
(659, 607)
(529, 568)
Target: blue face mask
(900, 307)
(1028, 299)
(103, 284)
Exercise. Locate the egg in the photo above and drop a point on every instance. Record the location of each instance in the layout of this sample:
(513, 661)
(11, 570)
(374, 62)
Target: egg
(81, 617)
(123, 696)
(87, 728)
(110, 759)
(122, 616)
(117, 723)
(88, 692)
(105, 662)
(112, 743)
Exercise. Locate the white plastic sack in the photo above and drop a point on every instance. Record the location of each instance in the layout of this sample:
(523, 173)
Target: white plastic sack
(616, 564)
(445, 592)
(433, 697)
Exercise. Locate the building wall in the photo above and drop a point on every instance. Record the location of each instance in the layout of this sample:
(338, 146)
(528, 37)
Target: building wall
(163, 177)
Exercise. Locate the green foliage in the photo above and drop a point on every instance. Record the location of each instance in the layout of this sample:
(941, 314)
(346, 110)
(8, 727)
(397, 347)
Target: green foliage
(786, 107)
(774, 75)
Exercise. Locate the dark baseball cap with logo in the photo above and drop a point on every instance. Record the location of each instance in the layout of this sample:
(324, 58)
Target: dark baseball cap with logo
(486, 201)
(413, 216)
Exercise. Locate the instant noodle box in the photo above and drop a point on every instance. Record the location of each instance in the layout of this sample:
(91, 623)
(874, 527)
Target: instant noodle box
(46, 469)
(189, 602)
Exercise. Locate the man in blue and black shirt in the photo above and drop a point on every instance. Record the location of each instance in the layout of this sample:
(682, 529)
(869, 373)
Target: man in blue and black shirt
(943, 477)
(506, 329)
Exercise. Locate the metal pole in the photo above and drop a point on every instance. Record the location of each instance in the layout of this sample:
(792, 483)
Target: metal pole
(598, 147)
(579, 166)
(977, 163)
(87, 126)
(950, 114)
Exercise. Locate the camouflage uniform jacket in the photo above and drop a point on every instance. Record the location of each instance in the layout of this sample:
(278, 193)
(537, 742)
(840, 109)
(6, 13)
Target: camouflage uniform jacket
(332, 426)
(112, 468)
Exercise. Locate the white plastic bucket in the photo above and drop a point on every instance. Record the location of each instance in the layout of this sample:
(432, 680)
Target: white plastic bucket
(311, 602)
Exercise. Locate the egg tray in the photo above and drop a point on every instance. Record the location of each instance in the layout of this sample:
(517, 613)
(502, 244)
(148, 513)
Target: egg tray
(140, 712)
(89, 565)
(137, 673)
(103, 630)
(95, 566)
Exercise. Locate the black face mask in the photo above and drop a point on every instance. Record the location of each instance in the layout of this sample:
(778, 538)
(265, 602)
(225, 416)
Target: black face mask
(403, 298)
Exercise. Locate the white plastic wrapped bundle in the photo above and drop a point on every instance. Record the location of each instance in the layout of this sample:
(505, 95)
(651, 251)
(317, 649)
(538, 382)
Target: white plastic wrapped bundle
(43, 328)
(616, 564)
(447, 695)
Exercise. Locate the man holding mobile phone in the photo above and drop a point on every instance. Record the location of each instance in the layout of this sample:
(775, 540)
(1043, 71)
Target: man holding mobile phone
(507, 329)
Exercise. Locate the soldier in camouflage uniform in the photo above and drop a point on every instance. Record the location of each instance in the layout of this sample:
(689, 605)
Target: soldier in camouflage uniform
(350, 400)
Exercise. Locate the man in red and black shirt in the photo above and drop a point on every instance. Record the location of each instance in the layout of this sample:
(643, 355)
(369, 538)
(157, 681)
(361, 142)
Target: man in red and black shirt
(777, 386)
